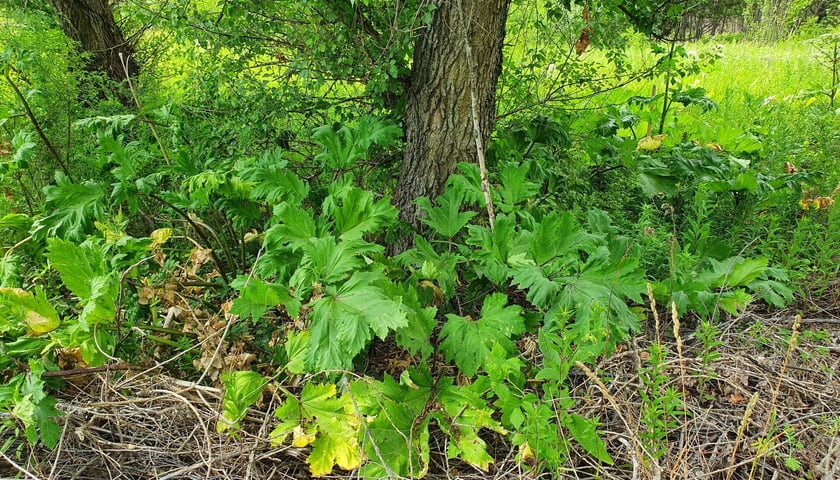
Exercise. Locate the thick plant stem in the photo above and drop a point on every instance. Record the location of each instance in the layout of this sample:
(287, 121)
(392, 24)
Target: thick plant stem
(666, 100)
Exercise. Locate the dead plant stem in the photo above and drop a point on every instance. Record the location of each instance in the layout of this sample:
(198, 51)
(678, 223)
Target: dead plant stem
(479, 143)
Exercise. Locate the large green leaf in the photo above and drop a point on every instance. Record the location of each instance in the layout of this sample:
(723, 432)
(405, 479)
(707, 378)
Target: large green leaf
(772, 287)
(360, 214)
(515, 188)
(84, 272)
(344, 146)
(340, 151)
(78, 265)
(398, 436)
(16, 221)
(446, 217)
(733, 272)
(347, 316)
(557, 236)
(540, 289)
(257, 296)
(329, 261)
(470, 343)
(604, 284)
(295, 226)
(372, 130)
(24, 149)
(432, 266)
(74, 207)
(494, 247)
(272, 181)
(35, 409)
(416, 335)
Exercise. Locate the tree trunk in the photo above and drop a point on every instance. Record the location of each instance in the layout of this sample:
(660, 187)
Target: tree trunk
(438, 118)
(91, 24)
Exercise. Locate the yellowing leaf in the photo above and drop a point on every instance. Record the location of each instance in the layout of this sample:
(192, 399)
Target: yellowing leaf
(160, 236)
(823, 202)
(715, 147)
(526, 455)
(324, 422)
(289, 415)
(39, 324)
(302, 438)
(253, 236)
(473, 449)
(111, 233)
(650, 143)
(35, 311)
(331, 449)
(437, 293)
(816, 203)
(18, 292)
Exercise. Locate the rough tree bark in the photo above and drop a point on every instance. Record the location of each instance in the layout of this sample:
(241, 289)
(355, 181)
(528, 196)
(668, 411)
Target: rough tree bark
(438, 118)
(91, 24)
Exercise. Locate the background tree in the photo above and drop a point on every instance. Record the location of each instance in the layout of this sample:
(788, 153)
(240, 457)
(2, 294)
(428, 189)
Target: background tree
(458, 56)
(91, 24)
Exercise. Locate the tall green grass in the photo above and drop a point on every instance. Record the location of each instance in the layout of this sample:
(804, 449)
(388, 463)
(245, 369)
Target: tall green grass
(770, 111)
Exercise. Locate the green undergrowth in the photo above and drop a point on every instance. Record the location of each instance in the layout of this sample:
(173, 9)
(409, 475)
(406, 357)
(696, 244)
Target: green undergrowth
(313, 274)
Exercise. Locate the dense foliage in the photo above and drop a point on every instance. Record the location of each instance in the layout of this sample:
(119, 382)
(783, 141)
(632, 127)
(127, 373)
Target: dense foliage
(229, 210)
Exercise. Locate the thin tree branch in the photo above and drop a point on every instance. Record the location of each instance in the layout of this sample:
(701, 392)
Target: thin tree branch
(124, 61)
(37, 126)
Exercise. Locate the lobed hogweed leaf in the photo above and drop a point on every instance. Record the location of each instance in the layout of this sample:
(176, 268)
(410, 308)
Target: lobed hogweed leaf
(733, 272)
(398, 433)
(257, 296)
(271, 181)
(515, 186)
(446, 217)
(329, 261)
(330, 419)
(771, 286)
(74, 207)
(346, 317)
(34, 407)
(541, 290)
(295, 226)
(464, 414)
(470, 343)
(83, 270)
(359, 214)
(347, 144)
(78, 265)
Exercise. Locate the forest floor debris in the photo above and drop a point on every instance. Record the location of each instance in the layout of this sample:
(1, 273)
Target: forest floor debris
(764, 407)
